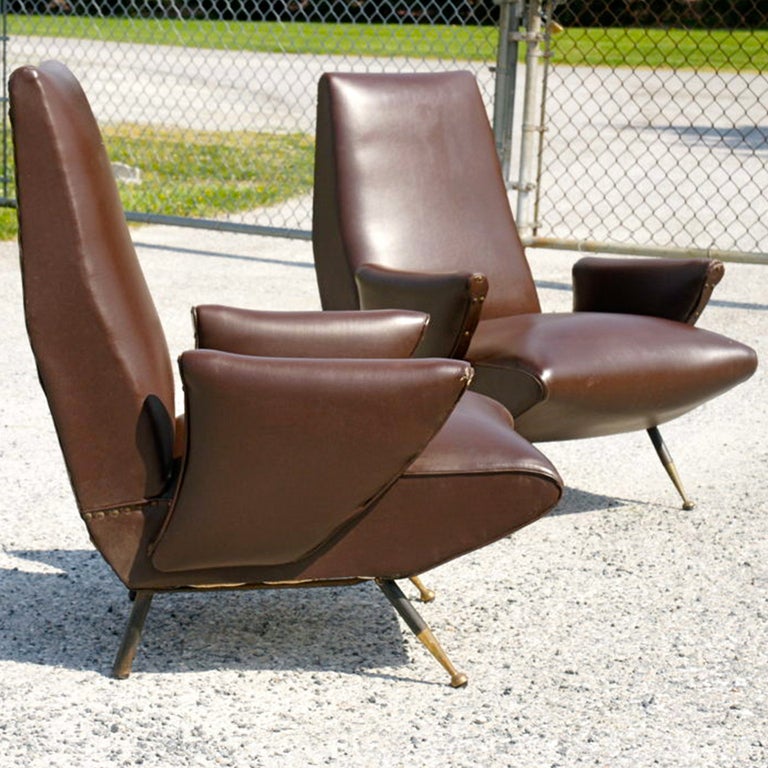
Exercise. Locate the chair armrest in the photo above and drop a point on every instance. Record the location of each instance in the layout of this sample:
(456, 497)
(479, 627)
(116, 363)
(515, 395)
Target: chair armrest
(284, 452)
(382, 334)
(453, 301)
(675, 289)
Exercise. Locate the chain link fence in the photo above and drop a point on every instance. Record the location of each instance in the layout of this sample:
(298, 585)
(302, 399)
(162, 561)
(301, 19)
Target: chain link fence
(208, 106)
(655, 128)
(623, 125)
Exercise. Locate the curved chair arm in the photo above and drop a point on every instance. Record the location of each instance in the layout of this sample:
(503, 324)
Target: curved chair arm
(453, 301)
(386, 333)
(282, 453)
(675, 289)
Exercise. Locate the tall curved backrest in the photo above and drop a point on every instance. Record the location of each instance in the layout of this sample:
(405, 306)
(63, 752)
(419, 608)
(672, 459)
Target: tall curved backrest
(464, 213)
(97, 340)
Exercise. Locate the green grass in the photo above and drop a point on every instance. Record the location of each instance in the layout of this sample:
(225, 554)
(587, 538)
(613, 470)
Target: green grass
(203, 173)
(722, 50)
(416, 40)
(8, 227)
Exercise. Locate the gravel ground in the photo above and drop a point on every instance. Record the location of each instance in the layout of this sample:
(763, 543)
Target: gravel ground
(618, 631)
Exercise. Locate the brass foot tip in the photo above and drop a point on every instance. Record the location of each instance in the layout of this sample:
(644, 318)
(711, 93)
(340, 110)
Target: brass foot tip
(689, 505)
(426, 595)
(459, 680)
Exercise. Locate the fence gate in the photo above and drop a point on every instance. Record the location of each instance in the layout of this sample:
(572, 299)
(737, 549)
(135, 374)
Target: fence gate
(653, 126)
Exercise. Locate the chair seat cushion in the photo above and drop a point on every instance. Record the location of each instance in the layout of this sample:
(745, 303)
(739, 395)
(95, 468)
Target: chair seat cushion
(478, 437)
(583, 374)
(477, 481)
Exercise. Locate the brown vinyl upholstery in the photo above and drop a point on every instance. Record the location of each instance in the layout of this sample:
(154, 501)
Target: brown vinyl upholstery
(408, 188)
(119, 394)
(314, 450)
(307, 334)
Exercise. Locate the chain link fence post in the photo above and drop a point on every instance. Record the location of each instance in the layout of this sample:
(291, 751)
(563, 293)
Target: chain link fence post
(531, 129)
(510, 12)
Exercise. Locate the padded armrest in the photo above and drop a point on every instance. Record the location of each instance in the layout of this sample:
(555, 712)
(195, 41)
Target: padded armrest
(675, 289)
(383, 334)
(453, 301)
(283, 452)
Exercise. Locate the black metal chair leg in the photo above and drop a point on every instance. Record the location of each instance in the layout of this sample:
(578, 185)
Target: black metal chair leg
(419, 627)
(132, 635)
(669, 465)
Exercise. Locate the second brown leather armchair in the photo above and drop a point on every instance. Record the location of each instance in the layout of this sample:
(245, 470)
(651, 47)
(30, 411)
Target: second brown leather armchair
(411, 211)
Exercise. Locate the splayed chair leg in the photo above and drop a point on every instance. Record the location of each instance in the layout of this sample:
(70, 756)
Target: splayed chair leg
(132, 635)
(426, 595)
(669, 465)
(419, 628)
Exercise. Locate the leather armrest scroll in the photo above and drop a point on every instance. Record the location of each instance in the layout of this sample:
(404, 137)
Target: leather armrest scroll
(675, 289)
(383, 334)
(453, 301)
(284, 452)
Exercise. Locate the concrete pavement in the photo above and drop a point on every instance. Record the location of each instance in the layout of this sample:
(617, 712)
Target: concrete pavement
(618, 631)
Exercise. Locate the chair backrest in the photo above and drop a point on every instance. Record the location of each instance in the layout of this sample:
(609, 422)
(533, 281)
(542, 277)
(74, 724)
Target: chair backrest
(98, 344)
(407, 177)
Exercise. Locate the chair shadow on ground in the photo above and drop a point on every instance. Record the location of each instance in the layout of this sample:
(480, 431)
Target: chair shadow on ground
(223, 255)
(64, 609)
(575, 501)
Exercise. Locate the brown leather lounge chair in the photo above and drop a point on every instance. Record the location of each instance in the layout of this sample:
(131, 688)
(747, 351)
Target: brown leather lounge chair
(297, 467)
(411, 211)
